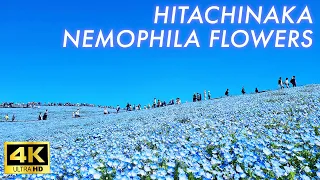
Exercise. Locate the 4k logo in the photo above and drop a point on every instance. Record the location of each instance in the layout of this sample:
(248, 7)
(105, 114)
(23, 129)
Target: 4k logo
(26, 157)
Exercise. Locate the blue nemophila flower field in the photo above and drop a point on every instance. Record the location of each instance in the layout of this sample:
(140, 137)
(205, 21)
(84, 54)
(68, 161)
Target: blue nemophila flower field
(272, 135)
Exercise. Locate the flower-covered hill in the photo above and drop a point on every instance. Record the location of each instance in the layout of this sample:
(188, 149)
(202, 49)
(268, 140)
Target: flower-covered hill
(271, 135)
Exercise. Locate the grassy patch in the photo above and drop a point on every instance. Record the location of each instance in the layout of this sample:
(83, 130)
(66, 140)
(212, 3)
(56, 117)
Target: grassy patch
(316, 130)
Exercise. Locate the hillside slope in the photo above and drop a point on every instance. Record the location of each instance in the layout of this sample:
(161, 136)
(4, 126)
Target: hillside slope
(268, 135)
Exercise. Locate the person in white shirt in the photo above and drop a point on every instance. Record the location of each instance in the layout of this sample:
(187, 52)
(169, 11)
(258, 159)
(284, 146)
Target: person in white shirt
(77, 113)
(105, 111)
(205, 95)
(287, 82)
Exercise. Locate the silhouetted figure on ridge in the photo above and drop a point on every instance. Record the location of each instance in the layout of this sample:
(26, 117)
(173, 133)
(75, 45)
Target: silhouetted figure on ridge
(243, 91)
(293, 81)
(287, 82)
(280, 83)
(227, 92)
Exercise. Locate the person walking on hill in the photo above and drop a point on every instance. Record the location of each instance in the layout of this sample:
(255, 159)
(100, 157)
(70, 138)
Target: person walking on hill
(128, 106)
(105, 111)
(6, 117)
(40, 116)
(194, 98)
(286, 82)
(118, 108)
(227, 92)
(77, 113)
(154, 103)
(280, 83)
(293, 81)
(243, 91)
(45, 115)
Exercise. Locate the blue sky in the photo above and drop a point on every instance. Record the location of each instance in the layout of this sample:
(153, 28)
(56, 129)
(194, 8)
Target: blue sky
(35, 66)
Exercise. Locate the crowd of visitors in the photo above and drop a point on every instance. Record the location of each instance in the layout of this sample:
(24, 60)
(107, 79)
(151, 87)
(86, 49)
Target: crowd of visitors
(157, 103)
(281, 83)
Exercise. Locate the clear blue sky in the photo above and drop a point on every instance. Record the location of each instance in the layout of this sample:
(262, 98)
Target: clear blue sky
(35, 67)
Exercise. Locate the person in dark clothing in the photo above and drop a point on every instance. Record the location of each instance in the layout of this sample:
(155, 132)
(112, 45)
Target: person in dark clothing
(209, 95)
(200, 98)
(128, 107)
(45, 115)
(13, 117)
(257, 91)
(243, 91)
(171, 102)
(227, 92)
(280, 83)
(164, 103)
(293, 81)
(194, 99)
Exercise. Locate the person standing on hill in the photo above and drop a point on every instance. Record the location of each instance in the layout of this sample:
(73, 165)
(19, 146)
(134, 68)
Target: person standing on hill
(178, 101)
(77, 113)
(45, 115)
(227, 92)
(209, 95)
(257, 91)
(287, 82)
(7, 117)
(118, 108)
(128, 107)
(13, 117)
(205, 95)
(40, 116)
(243, 91)
(154, 103)
(105, 111)
(194, 98)
(293, 81)
(280, 83)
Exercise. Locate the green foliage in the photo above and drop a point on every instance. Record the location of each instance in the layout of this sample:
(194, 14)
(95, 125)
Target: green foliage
(316, 130)
(176, 171)
(184, 120)
(209, 149)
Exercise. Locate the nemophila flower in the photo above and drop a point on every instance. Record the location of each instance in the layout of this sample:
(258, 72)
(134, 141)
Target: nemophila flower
(267, 135)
